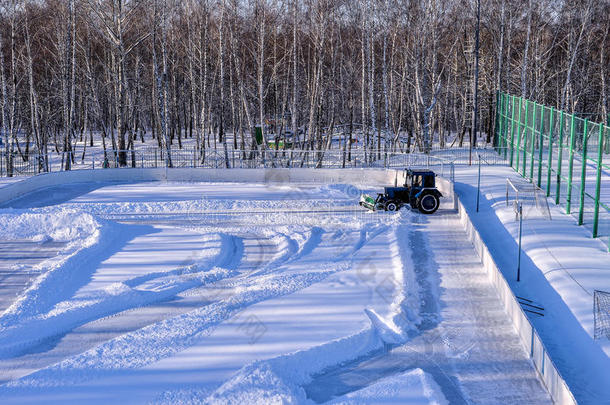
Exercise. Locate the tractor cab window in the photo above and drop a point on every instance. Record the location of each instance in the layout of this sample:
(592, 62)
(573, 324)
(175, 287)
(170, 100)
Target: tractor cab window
(417, 181)
(429, 181)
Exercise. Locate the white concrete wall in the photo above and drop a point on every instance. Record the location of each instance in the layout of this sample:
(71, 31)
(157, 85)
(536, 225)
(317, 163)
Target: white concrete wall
(355, 176)
(555, 384)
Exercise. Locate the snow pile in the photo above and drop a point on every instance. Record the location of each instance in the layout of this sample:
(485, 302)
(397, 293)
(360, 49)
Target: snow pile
(285, 375)
(259, 385)
(411, 387)
(262, 385)
(57, 225)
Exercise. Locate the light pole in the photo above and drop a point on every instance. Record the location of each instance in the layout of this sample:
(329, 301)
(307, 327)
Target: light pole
(479, 182)
(520, 232)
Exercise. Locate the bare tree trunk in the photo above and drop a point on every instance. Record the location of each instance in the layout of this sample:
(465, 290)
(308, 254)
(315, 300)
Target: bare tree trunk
(524, 63)
(161, 81)
(365, 133)
(475, 113)
(585, 21)
(33, 99)
(4, 112)
(260, 75)
(293, 113)
(386, 99)
(221, 54)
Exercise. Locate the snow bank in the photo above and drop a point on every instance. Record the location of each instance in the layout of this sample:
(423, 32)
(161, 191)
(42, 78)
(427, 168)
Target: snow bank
(258, 385)
(59, 226)
(412, 387)
(86, 241)
(284, 375)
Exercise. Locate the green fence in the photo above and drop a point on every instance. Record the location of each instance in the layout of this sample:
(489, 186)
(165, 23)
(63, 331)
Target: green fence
(564, 154)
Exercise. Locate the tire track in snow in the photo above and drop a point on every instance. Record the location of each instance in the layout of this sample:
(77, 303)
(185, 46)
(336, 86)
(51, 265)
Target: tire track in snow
(133, 294)
(170, 302)
(314, 239)
(343, 350)
(234, 252)
(72, 272)
(236, 283)
(154, 342)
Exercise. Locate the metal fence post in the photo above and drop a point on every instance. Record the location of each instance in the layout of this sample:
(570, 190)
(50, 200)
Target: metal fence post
(598, 179)
(570, 166)
(504, 116)
(497, 132)
(479, 182)
(527, 138)
(512, 129)
(533, 149)
(549, 167)
(559, 158)
(519, 132)
(520, 212)
(540, 146)
(583, 175)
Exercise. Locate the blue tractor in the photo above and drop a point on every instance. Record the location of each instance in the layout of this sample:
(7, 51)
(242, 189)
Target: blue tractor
(419, 191)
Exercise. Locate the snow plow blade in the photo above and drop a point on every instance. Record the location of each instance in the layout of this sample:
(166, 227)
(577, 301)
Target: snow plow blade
(367, 202)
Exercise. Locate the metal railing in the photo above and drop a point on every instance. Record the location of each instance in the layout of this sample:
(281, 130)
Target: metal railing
(151, 157)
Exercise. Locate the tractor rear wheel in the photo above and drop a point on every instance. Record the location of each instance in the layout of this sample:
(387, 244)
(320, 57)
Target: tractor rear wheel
(428, 203)
(391, 206)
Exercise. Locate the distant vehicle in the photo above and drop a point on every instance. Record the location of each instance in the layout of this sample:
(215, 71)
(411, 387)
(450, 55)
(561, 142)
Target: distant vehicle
(419, 191)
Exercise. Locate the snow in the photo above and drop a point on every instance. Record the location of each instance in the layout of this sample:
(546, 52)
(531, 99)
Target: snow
(411, 387)
(62, 226)
(5, 181)
(561, 267)
(252, 293)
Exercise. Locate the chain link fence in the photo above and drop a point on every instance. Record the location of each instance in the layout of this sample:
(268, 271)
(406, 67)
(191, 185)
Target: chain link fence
(564, 154)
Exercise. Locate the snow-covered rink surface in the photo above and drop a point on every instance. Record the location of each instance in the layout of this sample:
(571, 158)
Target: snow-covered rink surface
(247, 293)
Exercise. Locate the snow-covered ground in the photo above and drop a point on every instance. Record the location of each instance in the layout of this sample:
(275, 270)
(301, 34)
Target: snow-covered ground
(560, 269)
(5, 181)
(251, 293)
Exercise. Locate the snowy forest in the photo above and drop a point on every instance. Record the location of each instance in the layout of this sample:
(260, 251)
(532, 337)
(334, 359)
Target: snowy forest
(255, 74)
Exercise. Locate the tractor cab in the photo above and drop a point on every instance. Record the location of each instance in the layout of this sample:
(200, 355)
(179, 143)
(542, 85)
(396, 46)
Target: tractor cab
(419, 179)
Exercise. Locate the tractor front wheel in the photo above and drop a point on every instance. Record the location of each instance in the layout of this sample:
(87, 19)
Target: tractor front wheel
(391, 206)
(428, 204)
